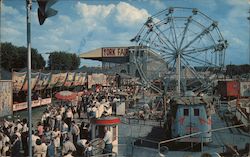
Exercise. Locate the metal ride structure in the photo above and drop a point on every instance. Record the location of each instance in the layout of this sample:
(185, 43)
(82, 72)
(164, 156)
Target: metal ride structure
(190, 44)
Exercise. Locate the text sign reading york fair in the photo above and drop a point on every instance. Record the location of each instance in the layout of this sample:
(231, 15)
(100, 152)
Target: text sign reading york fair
(114, 52)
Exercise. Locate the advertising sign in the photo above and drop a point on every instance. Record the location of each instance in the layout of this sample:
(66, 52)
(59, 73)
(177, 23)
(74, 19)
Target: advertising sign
(61, 79)
(43, 81)
(114, 52)
(6, 98)
(70, 79)
(34, 77)
(53, 80)
(18, 80)
(94, 79)
(35, 103)
(79, 77)
(83, 78)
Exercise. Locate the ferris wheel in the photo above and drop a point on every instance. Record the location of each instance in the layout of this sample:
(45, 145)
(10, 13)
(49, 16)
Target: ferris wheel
(186, 46)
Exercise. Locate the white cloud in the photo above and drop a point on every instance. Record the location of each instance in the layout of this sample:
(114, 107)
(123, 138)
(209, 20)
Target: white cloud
(101, 11)
(122, 13)
(64, 19)
(94, 14)
(8, 31)
(129, 15)
(9, 10)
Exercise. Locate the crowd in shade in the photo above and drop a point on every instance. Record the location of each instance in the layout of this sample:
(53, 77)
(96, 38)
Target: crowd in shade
(64, 130)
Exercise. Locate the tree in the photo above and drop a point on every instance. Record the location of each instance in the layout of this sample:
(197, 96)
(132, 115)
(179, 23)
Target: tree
(14, 57)
(75, 62)
(59, 60)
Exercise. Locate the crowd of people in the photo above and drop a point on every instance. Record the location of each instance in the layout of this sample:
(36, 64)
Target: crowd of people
(64, 130)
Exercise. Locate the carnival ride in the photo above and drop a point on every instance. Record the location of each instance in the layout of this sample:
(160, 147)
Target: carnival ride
(189, 42)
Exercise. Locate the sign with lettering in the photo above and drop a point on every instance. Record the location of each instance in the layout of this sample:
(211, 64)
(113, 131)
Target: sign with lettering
(114, 52)
(35, 103)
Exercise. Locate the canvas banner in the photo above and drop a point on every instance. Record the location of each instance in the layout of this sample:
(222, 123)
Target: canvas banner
(70, 79)
(6, 98)
(61, 79)
(18, 79)
(53, 80)
(95, 79)
(34, 78)
(35, 103)
(83, 78)
(110, 80)
(77, 81)
(43, 81)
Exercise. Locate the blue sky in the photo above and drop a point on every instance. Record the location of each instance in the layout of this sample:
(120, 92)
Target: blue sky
(83, 25)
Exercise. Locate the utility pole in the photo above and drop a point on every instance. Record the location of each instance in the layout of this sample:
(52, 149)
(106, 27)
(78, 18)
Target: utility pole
(249, 37)
(1, 39)
(29, 5)
(249, 64)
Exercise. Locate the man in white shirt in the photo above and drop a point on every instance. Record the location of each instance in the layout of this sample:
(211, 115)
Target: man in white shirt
(108, 141)
(34, 138)
(19, 126)
(75, 131)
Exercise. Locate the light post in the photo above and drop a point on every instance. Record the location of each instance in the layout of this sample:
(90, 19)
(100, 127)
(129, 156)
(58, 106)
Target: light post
(28, 5)
(0, 39)
(249, 37)
(44, 11)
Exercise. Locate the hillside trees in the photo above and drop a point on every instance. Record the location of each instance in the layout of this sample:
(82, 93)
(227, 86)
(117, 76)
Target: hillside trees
(14, 57)
(59, 60)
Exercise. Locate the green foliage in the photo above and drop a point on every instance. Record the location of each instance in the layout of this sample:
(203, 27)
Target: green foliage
(14, 57)
(59, 60)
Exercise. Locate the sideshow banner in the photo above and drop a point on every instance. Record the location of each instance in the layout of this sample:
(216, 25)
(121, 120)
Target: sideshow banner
(77, 81)
(34, 78)
(83, 79)
(43, 81)
(18, 80)
(110, 80)
(35, 103)
(94, 79)
(70, 79)
(6, 98)
(53, 80)
(61, 79)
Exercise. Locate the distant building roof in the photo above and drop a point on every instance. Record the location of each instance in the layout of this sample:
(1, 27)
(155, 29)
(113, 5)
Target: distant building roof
(108, 54)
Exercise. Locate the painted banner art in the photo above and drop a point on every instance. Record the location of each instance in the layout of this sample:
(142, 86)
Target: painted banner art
(70, 79)
(34, 78)
(61, 79)
(43, 81)
(18, 80)
(94, 79)
(83, 78)
(5, 98)
(53, 80)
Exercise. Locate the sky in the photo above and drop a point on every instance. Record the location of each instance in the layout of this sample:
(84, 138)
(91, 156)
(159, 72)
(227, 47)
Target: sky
(84, 25)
